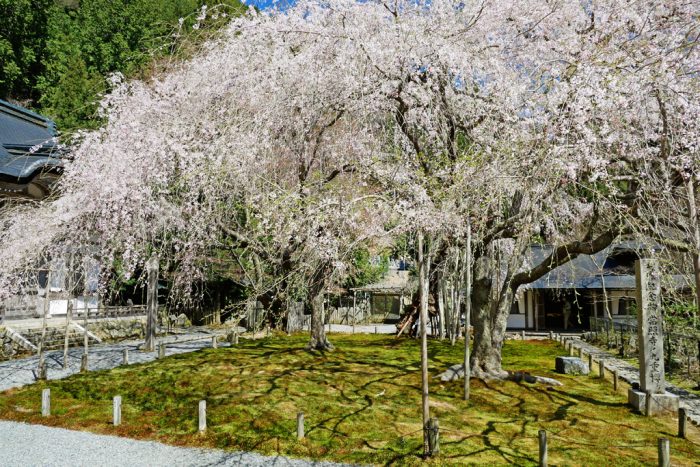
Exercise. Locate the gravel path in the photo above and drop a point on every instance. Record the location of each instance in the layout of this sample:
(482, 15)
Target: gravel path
(630, 374)
(20, 372)
(35, 445)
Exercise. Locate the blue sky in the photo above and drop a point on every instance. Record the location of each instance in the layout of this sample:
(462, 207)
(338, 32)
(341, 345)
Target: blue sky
(263, 4)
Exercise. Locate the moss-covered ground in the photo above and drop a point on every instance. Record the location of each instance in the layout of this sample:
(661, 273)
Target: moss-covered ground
(361, 405)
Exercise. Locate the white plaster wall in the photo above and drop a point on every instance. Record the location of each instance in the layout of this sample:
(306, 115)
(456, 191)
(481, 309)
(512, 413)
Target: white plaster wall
(516, 321)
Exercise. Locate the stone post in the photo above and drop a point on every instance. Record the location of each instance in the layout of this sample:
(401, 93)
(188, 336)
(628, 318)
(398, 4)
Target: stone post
(117, 410)
(650, 344)
(649, 327)
(300, 425)
(45, 402)
(202, 425)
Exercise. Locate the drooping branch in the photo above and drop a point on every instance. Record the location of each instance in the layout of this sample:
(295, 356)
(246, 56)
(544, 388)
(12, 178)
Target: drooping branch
(563, 254)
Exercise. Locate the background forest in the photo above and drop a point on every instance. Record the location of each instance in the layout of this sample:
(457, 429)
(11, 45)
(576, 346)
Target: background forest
(56, 55)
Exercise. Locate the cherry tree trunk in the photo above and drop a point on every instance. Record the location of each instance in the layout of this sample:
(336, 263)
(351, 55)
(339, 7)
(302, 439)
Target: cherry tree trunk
(318, 340)
(490, 320)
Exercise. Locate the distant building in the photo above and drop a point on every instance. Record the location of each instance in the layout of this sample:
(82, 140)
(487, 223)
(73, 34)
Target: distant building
(602, 286)
(30, 158)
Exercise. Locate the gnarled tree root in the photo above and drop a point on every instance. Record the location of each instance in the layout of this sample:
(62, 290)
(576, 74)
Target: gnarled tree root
(322, 345)
(456, 372)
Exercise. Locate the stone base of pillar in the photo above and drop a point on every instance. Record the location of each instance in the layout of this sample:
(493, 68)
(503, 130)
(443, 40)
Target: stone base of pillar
(666, 403)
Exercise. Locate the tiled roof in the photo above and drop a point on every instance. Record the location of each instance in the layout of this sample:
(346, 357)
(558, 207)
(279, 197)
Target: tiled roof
(28, 143)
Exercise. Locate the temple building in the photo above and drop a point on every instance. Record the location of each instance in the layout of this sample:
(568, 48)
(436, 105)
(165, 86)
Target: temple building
(30, 157)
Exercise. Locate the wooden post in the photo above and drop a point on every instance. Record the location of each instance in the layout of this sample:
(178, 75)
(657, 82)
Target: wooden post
(202, 416)
(468, 309)
(69, 313)
(125, 356)
(117, 410)
(580, 352)
(354, 310)
(433, 436)
(46, 402)
(542, 436)
(590, 362)
(616, 376)
(571, 349)
(300, 425)
(682, 421)
(664, 452)
(161, 350)
(622, 343)
(151, 303)
(424, 274)
(42, 368)
(601, 368)
(84, 363)
(47, 307)
(214, 342)
(376, 331)
(85, 326)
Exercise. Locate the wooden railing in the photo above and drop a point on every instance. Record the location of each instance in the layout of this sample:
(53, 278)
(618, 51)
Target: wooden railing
(106, 312)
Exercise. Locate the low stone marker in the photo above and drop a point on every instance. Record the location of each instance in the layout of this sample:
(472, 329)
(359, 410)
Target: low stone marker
(571, 366)
(651, 350)
(232, 337)
(46, 402)
(117, 410)
(300, 425)
(664, 452)
(202, 425)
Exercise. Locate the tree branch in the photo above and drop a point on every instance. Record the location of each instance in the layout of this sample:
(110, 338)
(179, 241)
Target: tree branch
(564, 254)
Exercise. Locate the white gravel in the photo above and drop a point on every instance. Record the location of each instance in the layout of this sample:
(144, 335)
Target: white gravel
(20, 372)
(35, 445)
